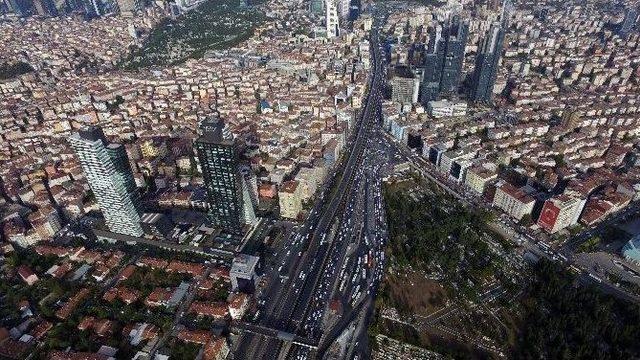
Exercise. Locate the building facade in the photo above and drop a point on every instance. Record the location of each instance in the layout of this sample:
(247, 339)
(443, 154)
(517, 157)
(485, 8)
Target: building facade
(486, 67)
(107, 170)
(227, 191)
(290, 199)
(513, 201)
(560, 212)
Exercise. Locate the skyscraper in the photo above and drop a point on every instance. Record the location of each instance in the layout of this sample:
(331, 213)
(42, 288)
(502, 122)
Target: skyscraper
(486, 68)
(432, 72)
(629, 21)
(453, 41)
(443, 57)
(344, 6)
(332, 21)
(107, 170)
(227, 191)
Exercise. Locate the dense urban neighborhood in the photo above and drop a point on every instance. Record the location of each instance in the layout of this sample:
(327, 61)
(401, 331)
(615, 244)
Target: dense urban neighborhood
(319, 179)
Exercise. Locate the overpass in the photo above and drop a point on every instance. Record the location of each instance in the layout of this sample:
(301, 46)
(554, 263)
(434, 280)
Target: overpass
(274, 334)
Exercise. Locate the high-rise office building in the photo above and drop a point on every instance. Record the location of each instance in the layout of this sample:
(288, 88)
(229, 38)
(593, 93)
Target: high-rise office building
(39, 8)
(432, 71)
(107, 170)
(486, 68)
(453, 41)
(45, 8)
(227, 191)
(344, 6)
(332, 21)
(443, 57)
(629, 21)
(19, 7)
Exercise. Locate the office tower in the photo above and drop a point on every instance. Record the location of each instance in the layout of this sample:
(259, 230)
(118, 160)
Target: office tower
(443, 57)
(432, 71)
(453, 41)
(50, 7)
(64, 6)
(629, 21)
(107, 170)
(39, 7)
(227, 191)
(91, 8)
(18, 7)
(405, 86)
(45, 7)
(331, 19)
(486, 69)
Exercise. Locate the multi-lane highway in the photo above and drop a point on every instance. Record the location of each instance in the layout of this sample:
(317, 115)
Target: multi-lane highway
(300, 279)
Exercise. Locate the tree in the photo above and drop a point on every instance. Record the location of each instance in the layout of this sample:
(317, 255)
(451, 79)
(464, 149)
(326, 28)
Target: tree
(527, 220)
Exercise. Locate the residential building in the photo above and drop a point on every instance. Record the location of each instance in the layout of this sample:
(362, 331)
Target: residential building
(560, 212)
(444, 108)
(290, 199)
(513, 201)
(478, 176)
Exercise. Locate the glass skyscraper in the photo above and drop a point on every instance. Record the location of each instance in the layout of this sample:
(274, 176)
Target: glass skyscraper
(486, 67)
(227, 191)
(443, 57)
(107, 170)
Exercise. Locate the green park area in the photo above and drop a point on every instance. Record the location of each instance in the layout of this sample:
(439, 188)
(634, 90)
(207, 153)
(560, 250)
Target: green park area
(434, 235)
(214, 25)
(439, 260)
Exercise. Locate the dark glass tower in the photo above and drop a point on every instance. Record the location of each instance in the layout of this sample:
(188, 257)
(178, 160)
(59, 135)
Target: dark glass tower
(629, 21)
(444, 54)
(454, 39)
(432, 68)
(486, 68)
(225, 185)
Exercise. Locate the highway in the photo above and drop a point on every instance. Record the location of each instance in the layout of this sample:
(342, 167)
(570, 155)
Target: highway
(294, 292)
